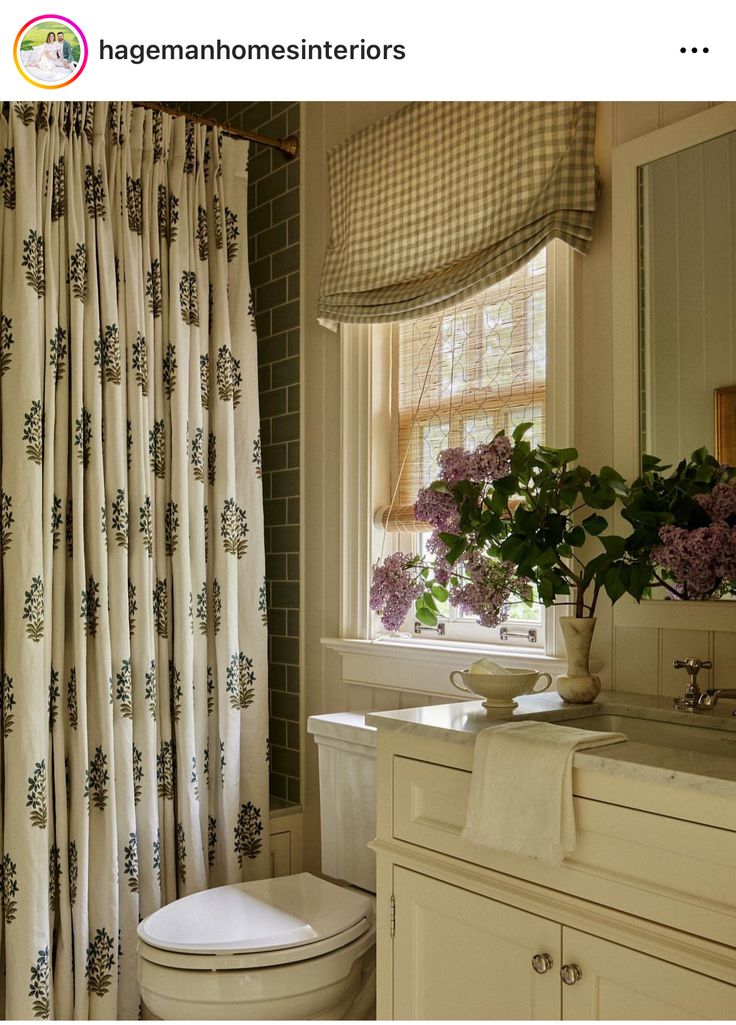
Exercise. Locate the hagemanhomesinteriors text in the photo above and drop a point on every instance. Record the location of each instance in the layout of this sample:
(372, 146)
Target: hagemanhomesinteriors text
(137, 53)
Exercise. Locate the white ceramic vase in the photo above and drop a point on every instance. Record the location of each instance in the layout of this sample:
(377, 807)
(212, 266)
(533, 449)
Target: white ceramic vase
(577, 686)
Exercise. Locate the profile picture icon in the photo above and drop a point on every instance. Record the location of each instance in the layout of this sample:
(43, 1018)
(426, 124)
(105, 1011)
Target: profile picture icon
(50, 51)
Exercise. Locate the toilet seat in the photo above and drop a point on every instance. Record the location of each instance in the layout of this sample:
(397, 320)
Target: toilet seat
(258, 924)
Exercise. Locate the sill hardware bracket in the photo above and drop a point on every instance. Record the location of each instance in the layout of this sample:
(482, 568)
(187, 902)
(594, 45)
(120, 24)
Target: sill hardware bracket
(531, 635)
(419, 629)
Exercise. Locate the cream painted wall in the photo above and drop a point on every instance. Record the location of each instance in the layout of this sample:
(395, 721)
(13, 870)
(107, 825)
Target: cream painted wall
(643, 651)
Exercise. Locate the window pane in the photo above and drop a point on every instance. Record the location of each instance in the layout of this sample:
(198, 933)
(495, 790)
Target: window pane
(465, 374)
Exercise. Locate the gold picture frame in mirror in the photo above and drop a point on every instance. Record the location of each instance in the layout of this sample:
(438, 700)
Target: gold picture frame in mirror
(725, 425)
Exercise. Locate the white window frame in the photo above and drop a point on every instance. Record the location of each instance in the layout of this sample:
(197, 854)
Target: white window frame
(365, 476)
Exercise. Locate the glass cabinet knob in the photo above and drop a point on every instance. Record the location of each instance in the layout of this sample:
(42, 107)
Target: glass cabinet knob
(542, 963)
(570, 974)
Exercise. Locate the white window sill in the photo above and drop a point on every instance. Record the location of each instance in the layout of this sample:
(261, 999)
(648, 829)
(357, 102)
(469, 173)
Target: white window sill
(425, 666)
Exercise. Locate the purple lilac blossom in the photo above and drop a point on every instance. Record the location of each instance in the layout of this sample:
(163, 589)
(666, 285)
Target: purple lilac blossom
(491, 461)
(394, 589)
(437, 508)
(454, 464)
(698, 559)
(483, 464)
(720, 503)
(441, 569)
(486, 595)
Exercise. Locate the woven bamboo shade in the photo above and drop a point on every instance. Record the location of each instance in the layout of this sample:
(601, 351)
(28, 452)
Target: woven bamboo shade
(466, 373)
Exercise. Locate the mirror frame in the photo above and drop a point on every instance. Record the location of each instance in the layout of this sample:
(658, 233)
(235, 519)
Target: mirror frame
(627, 159)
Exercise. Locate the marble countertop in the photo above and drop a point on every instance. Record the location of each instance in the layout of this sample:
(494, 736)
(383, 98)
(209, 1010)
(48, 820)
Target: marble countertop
(702, 760)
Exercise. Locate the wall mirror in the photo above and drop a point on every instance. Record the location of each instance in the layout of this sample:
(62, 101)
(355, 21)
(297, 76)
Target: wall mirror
(687, 300)
(674, 239)
(674, 290)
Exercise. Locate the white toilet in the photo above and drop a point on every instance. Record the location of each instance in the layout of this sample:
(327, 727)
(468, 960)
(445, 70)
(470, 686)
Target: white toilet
(295, 947)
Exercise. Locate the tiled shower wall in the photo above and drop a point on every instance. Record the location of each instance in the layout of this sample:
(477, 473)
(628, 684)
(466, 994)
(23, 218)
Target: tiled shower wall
(273, 229)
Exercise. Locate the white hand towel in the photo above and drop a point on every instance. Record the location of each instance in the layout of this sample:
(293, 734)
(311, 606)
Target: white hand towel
(521, 788)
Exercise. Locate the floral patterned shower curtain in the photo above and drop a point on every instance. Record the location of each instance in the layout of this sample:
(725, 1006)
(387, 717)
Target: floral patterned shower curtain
(133, 639)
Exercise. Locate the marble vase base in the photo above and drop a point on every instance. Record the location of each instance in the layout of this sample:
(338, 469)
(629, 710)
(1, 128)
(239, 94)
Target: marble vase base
(577, 686)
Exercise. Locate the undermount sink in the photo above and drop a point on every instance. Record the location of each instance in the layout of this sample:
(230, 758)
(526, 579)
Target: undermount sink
(686, 736)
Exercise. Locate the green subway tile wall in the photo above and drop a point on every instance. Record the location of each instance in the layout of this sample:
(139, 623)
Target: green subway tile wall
(273, 230)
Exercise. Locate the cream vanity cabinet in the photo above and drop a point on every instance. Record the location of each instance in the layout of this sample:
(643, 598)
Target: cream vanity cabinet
(468, 933)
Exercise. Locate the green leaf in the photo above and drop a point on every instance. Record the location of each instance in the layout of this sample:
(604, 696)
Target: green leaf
(546, 591)
(458, 549)
(595, 524)
(559, 584)
(600, 497)
(547, 558)
(513, 548)
(566, 455)
(429, 602)
(597, 565)
(576, 537)
(440, 485)
(440, 592)
(700, 455)
(616, 582)
(506, 486)
(568, 497)
(614, 545)
(426, 616)
(521, 430)
(639, 576)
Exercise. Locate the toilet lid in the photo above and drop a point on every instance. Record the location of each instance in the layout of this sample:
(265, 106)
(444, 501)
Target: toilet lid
(270, 914)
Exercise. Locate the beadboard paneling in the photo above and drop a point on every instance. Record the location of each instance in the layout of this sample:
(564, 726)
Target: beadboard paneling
(636, 660)
(643, 658)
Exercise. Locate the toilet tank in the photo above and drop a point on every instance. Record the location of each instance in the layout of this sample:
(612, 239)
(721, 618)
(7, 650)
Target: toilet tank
(347, 790)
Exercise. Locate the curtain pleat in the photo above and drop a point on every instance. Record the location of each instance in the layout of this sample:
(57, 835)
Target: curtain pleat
(133, 641)
(440, 200)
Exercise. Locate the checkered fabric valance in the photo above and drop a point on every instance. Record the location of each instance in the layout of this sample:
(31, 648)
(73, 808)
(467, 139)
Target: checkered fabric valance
(442, 199)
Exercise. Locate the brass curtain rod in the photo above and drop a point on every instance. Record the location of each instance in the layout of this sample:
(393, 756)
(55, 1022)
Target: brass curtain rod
(289, 145)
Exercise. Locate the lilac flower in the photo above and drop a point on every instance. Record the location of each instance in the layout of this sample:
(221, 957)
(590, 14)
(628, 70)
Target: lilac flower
(486, 595)
(455, 464)
(394, 589)
(491, 461)
(488, 462)
(720, 503)
(437, 508)
(701, 559)
(441, 569)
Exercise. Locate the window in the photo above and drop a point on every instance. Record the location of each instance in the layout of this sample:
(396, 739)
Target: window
(537, 378)
(457, 378)
(464, 374)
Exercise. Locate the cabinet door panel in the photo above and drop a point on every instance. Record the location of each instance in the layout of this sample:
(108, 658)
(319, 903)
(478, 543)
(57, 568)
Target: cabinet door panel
(458, 955)
(624, 985)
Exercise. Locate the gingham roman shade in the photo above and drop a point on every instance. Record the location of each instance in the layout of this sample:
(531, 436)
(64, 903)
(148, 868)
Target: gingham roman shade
(442, 199)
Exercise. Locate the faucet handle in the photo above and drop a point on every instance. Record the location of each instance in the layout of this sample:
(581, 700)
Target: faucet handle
(692, 698)
(692, 665)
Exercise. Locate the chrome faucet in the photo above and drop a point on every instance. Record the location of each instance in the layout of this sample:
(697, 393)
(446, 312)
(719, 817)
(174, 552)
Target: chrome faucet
(691, 700)
(709, 698)
(694, 699)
